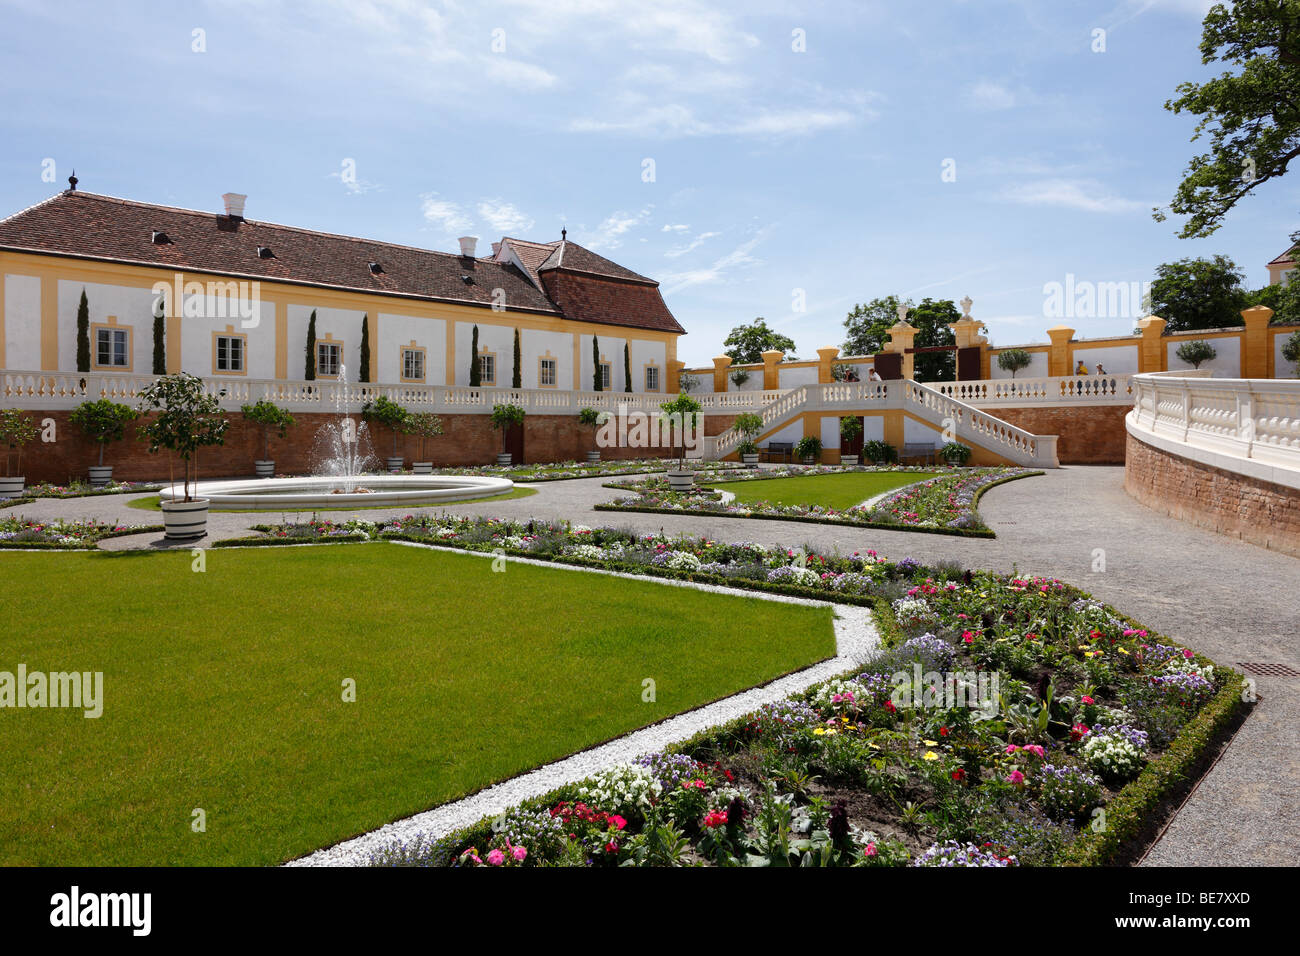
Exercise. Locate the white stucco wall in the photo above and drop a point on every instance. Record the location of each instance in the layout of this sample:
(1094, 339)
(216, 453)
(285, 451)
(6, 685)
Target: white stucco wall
(1281, 367)
(197, 341)
(830, 432)
(873, 428)
(794, 377)
(753, 384)
(1225, 364)
(343, 324)
(919, 433)
(396, 332)
(644, 352)
(792, 433)
(132, 307)
(22, 323)
(533, 344)
(1118, 359)
(1037, 367)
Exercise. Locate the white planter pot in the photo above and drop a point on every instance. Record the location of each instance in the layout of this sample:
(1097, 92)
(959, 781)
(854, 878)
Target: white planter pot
(750, 460)
(395, 465)
(593, 456)
(185, 520)
(100, 475)
(12, 487)
(264, 469)
(422, 467)
(503, 458)
(681, 480)
(809, 460)
(848, 459)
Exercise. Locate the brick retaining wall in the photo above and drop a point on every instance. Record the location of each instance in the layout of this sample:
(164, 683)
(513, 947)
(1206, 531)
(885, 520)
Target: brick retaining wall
(1088, 434)
(1247, 508)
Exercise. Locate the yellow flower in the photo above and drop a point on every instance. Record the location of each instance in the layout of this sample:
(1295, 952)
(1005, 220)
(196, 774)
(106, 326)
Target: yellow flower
(930, 743)
(931, 755)
(819, 731)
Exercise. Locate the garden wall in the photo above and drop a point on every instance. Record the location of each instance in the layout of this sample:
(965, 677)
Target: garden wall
(1087, 434)
(467, 440)
(1257, 511)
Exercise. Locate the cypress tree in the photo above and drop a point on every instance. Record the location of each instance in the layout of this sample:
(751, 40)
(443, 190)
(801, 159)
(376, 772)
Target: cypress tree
(310, 372)
(475, 367)
(159, 340)
(627, 367)
(595, 364)
(517, 379)
(83, 334)
(364, 374)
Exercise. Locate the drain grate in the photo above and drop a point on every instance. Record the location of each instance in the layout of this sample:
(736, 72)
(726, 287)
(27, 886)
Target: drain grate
(1268, 670)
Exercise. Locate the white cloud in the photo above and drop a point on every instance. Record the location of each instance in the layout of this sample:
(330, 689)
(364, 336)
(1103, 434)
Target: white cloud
(674, 119)
(740, 256)
(504, 217)
(515, 73)
(608, 235)
(444, 214)
(987, 95)
(694, 244)
(357, 187)
(678, 227)
(1083, 194)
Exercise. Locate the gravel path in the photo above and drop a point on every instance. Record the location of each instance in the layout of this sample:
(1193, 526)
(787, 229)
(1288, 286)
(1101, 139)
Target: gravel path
(1233, 601)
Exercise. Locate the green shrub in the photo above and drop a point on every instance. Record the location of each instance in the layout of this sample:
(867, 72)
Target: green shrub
(879, 451)
(268, 415)
(103, 421)
(810, 446)
(16, 430)
(1013, 360)
(955, 453)
(387, 412)
(1194, 353)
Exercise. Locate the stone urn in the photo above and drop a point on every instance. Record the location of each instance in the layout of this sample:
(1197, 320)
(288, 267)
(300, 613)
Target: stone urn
(503, 459)
(101, 475)
(264, 469)
(185, 520)
(680, 480)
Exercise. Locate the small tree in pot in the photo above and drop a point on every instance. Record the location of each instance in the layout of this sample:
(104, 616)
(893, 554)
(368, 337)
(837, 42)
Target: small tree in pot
(1013, 360)
(1194, 353)
(807, 449)
(593, 420)
(683, 415)
(103, 422)
(388, 413)
(423, 425)
(268, 415)
(747, 426)
(187, 419)
(505, 417)
(16, 430)
(879, 452)
(955, 453)
(850, 429)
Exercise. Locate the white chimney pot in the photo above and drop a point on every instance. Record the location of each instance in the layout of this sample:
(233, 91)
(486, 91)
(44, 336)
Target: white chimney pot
(467, 244)
(234, 204)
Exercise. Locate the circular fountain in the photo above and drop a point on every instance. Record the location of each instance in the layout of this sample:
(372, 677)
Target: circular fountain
(342, 458)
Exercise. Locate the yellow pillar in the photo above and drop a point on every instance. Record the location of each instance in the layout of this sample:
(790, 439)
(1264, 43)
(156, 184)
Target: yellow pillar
(50, 324)
(1060, 359)
(720, 364)
(825, 361)
(281, 339)
(675, 375)
(1152, 355)
(372, 323)
(771, 369)
(893, 428)
(1256, 354)
(901, 335)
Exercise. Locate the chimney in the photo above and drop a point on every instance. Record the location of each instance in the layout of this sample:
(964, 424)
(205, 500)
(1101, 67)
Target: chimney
(467, 244)
(496, 249)
(234, 204)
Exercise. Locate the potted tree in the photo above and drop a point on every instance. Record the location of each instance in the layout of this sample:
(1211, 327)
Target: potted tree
(268, 415)
(387, 412)
(593, 420)
(747, 425)
(850, 429)
(423, 425)
(1194, 353)
(103, 422)
(682, 413)
(879, 452)
(187, 419)
(16, 430)
(955, 453)
(808, 448)
(505, 417)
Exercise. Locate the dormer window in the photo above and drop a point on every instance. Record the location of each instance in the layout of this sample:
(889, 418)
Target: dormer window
(467, 279)
(159, 238)
(376, 269)
(264, 252)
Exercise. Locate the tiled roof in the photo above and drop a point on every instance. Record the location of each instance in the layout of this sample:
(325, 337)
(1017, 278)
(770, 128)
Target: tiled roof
(593, 298)
(1285, 258)
(118, 230)
(574, 258)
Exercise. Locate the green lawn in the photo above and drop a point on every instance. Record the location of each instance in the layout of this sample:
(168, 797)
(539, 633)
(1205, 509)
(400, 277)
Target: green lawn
(222, 689)
(153, 503)
(829, 491)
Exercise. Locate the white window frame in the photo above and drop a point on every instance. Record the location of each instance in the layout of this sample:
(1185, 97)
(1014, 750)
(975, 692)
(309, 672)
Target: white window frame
(114, 337)
(335, 351)
(241, 347)
(412, 364)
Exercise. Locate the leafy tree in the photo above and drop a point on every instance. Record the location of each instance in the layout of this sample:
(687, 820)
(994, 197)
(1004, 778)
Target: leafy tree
(103, 421)
(1283, 298)
(931, 319)
(1194, 353)
(309, 372)
(867, 326)
(1291, 351)
(364, 374)
(1013, 360)
(188, 419)
(16, 430)
(387, 412)
(516, 377)
(1198, 294)
(159, 339)
(267, 415)
(83, 334)
(424, 425)
(475, 364)
(747, 343)
(1252, 115)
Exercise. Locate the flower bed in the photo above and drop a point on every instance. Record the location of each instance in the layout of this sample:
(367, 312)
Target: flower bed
(1027, 725)
(562, 471)
(77, 489)
(942, 505)
(785, 471)
(24, 533)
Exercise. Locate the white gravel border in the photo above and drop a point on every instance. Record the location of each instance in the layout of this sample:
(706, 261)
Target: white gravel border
(855, 639)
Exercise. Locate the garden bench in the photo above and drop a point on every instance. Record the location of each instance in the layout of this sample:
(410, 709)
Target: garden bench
(783, 448)
(917, 453)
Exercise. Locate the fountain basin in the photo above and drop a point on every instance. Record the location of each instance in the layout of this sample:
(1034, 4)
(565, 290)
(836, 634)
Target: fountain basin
(278, 494)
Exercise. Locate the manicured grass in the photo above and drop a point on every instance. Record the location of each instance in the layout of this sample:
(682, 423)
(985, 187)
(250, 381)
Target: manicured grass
(223, 689)
(830, 491)
(152, 504)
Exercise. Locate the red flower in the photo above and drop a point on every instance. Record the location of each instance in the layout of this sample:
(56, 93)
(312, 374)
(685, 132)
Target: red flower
(959, 775)
(943, 731)
(611, 847)
(889, 706)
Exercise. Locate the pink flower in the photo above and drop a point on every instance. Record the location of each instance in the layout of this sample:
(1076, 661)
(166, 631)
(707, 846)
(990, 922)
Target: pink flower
(496, 857)
(1016, 778)
(1087, 700)
(1187, 654)
(519, 854)
(1012, 748)
(870, 850)
(617, 821)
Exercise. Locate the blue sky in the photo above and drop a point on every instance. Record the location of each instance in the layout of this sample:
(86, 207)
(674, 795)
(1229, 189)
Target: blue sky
(775, 170)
